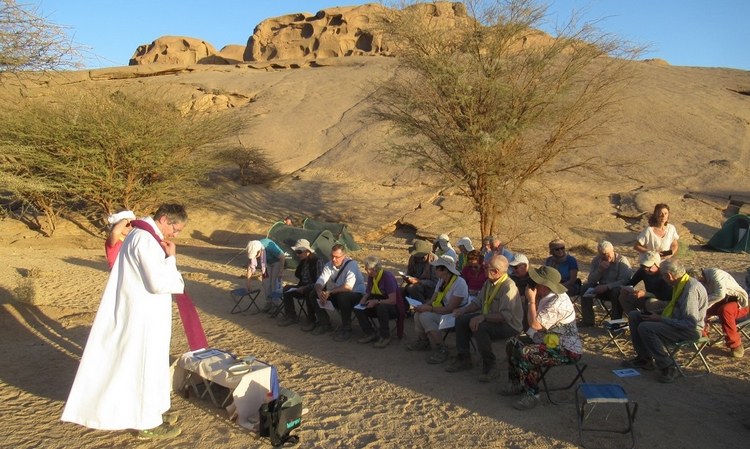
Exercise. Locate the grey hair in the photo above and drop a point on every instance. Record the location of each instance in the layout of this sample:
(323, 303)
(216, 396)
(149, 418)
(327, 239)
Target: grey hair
(604, 246)
(373, 263)
(499, 262)
(673, 267)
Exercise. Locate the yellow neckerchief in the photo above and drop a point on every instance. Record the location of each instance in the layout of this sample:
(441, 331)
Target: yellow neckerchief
(375, 289)
(676, 293)
(441, 294)
(489, 298)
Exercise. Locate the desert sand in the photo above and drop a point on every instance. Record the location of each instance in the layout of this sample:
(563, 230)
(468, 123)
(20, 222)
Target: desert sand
(683, 138)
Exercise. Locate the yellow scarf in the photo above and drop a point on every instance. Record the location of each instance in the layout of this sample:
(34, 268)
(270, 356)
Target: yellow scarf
(676, 293)
(441, 294)
(375, 289)
(489, 298)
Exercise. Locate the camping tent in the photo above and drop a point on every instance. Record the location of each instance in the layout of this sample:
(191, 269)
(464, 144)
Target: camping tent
(734, 236)
(321, 241)
(339, 231)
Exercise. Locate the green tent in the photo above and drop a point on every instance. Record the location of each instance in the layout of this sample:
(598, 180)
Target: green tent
(734, 235)
(321, 241)
(339, 231)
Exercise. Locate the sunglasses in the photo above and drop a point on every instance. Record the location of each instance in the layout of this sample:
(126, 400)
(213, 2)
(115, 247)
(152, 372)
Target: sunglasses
(561, 248)
(300, 251)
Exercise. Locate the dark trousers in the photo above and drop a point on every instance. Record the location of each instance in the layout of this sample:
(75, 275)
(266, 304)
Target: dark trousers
(302, 292)
(649, 337)
(484, 336)
(344, 302)
(587, 305)
(383, 312)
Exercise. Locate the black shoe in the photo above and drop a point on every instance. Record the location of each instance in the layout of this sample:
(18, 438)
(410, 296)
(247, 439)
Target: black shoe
(668, 374)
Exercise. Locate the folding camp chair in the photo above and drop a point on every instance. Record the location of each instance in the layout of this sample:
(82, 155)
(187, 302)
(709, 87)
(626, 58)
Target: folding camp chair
(600, 394)
(239, 294)
(618, 332)
(695, 347)
(580, 368)
(743, 327)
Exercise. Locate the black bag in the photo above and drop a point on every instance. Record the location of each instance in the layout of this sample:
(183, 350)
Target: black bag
(280, 417)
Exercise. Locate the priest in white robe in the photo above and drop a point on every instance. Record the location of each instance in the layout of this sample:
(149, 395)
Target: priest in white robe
(123, 379)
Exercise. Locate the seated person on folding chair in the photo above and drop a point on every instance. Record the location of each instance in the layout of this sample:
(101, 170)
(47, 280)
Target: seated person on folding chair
(682, 320)
(464, 247)
(382, 300)
(308, 270)
(495, 314)
(450, 293)
(565, 264)
(270, 257)
(553, 334)
(474, 273)
(342, 285)
(420, 276)
(609, 270)
(656, 294)
(726, 300)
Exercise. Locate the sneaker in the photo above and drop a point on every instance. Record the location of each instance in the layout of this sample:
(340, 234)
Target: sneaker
(343, 335)
(159, 433)
(287, 321)
(382, 343)
(438, 356)
(369, 338)
(527, 402)
(510, 389)
(639, 362)
(668, 375)
(170, 418)
(321, 329)
(738, 352)
(459, 364)
(421, 344)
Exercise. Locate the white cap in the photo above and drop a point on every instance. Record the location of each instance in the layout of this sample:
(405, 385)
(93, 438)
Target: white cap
(518, 259)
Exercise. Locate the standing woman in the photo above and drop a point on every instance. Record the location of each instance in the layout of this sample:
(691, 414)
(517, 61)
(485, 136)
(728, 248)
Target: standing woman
(659, 235)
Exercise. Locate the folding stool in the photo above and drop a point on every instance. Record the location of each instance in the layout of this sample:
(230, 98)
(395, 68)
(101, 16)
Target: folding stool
(239, 294)
(697, 346)
(580, 368)
(743, 327)
(618, 331)
(599, 394)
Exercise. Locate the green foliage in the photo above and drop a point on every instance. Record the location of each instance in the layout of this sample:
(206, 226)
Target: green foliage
(95, 152)
(488, 101)
(254, 165)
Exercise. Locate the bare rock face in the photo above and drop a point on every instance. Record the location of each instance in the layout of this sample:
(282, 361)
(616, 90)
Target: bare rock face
(177, 50)
(333, 32)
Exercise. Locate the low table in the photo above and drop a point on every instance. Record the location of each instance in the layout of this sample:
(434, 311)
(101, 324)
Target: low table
(247, 390)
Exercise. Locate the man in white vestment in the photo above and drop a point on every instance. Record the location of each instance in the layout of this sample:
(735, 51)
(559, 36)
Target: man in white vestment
(123, 380)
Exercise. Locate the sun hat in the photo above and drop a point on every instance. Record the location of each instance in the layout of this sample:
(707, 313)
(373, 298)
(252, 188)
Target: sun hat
(253, 249)
(549, 277)
(518, 259)
(650, 258)
(447, 262)
(421, 248)
(443, 238)
(302, 245)
(466, 243)
(126, 214)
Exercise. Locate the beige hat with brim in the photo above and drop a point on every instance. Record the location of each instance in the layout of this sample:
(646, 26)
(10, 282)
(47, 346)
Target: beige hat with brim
(466, 243)
(549, 277)
(650, 258)
(447, 262)
(421, 248)
(302, 245)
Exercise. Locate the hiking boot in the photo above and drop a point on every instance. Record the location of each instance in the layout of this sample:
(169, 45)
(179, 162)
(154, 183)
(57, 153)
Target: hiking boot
(438, 355)
(510, 389)
(287, 321)
(668, 375)
(459, 364)
(170, 418)
(309, 326)
(488, 374)
(639, 362)
(368, 338)
(321, 329)
(420, 344)
(343, 335)
(268, 307)
(164, 431)
(527, 402)
(738, 352)
(382, 343)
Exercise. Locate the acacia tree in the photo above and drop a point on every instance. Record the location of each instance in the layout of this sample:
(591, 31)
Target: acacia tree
(489, 101)
(94, 152)
(30, 42)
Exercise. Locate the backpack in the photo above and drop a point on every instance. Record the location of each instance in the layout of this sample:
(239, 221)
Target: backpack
(279, 417)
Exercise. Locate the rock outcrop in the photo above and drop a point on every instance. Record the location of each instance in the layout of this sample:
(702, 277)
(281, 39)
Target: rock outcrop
(176, 50)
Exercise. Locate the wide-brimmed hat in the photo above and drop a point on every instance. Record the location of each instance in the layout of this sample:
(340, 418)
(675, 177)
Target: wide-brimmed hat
(650, 258)
(443, 238)
(447, 262)
(302, 245)
(549, 277)
(421, 248)
(253, 249)
(466, 243)
(518, 259)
